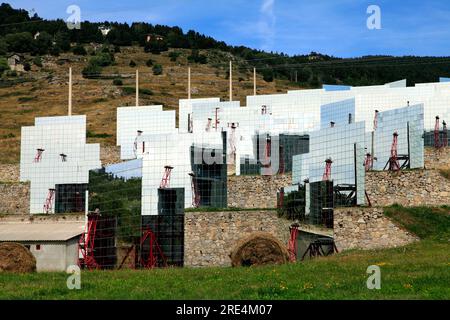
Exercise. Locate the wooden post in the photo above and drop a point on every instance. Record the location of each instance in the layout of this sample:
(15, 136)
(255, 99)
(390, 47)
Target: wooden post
(189, 83)
(231, 81)
(254, 81)
(70, 92)
(137, 88)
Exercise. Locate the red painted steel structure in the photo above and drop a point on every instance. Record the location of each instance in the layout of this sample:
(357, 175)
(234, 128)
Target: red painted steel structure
(195, 191)
(327, 173)
(368, 162)
(155, 251)
(445, 136)
(86, 244)
(49, 200)
(38, 156)
(394, 164)
(437, 140)
(292, 244)
(165, 181)
(375, 120)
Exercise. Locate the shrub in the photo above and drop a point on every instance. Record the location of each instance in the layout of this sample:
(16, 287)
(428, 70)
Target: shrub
(117, 82)
(79, 50)
(26, 66)
(37, 61)
(157, 69)
(132, 64)
(91, 70)
(3, 65)
(174, 55)
(149, 62)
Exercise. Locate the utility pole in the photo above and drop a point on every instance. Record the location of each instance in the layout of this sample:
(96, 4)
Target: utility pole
(189, 83)
(70, 92)
(231, 81)
(254, 81)
(296, 76)
(137, 88)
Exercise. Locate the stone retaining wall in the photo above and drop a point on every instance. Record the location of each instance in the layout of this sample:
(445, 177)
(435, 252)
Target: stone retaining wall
(437, 158)
(255, 191)
(14, 198)
(367, 228)
(211, 236)
(408, 188)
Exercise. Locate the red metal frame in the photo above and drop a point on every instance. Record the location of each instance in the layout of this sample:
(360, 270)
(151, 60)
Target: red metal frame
(155, 251)
(445, 137)
(217, 120)
(86, 245)
(264, 109)
(49, 200)
(437, 140)
(375, 120)
(368, 162)
(292, 244)
(281, 199)
(233, 140)
(165, 181)
(394, 165)
(327, 173)
(38, 156)
(208, 125)
(195, 191)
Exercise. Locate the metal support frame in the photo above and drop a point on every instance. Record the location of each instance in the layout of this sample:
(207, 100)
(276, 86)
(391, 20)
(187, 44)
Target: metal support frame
(445, 136)
(63, 157)
(86, 244)
(135, 147)
(233, 146)
(368, 162)
(155, 251)
(38, 156)
(375, 120)
(327, 173)
(292, 244)
(315, 248)
(437, 140)
(208, 125)
(165, 181)
(195, 191)
(48, 205)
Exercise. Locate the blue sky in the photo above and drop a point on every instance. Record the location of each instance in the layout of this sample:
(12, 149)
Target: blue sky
(335, 27)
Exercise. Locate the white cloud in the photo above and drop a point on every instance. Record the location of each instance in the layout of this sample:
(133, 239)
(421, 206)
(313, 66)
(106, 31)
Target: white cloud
(266, 24)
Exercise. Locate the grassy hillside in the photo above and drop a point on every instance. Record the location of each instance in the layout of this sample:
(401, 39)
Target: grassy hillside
(44, 90)
(418, 271)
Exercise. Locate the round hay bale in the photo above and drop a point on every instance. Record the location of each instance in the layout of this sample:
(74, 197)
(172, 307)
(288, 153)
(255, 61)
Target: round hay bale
(14, 257)
(260, 248)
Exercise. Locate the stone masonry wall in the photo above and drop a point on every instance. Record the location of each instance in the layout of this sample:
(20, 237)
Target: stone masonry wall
(408, 188)
(9, 173)
(437, 158)
(211, 236)
(14, 198)
(255, 191)
(367, 228)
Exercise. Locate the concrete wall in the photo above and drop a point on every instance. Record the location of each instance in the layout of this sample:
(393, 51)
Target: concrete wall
(367, 228)
(255, 191)
(211, 236)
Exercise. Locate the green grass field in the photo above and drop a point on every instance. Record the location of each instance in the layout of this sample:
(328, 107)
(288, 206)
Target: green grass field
(418, 271)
